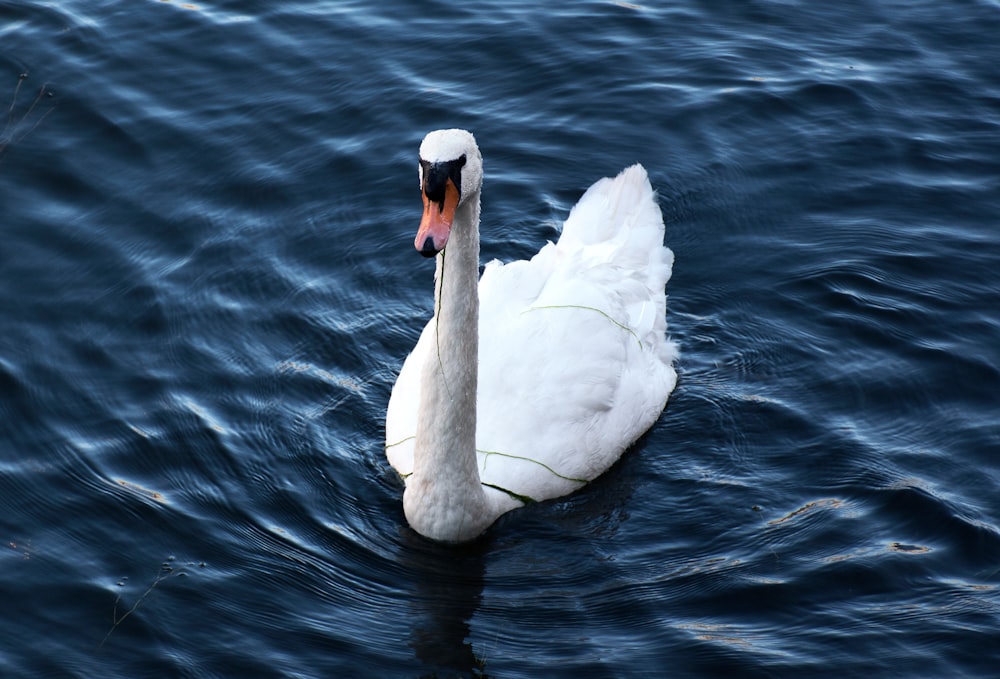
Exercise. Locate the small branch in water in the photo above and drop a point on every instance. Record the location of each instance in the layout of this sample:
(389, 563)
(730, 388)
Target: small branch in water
(14, 129)
(166, 570)
(13, 101)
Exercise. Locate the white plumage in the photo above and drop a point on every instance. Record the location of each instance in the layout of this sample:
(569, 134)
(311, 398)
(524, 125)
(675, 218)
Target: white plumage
(573, 360)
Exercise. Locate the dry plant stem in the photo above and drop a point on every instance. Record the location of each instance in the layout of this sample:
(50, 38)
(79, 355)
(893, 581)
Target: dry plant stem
(11, 135)
(165, 571)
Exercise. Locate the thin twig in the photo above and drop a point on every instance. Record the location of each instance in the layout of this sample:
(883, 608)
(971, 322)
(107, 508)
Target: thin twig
(41, 93)
(164, 572)
(13, 102)
(11, 134)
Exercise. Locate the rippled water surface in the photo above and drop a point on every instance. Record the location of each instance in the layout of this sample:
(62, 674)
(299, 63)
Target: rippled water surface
(208, 284)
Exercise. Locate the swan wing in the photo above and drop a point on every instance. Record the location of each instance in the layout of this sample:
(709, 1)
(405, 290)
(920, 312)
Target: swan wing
(574, 361)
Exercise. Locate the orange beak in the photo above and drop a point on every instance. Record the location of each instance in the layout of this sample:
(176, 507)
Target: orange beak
(435, 225)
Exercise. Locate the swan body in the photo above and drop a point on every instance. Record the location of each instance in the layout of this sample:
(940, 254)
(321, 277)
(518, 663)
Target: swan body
(533, 380)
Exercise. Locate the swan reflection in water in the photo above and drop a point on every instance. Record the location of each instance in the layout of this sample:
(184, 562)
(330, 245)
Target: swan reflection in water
(449, 583)
(452, 601)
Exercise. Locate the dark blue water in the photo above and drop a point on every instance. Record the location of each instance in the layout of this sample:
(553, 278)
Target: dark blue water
(207, 285)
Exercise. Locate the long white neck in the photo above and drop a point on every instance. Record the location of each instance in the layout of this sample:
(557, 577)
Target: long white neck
(444, 499)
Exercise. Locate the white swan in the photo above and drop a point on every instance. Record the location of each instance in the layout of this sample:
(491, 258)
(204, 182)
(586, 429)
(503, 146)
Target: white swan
(538, 383)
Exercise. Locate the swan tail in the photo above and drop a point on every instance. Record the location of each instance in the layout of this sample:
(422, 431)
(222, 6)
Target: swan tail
(618, 222)
(613, 207)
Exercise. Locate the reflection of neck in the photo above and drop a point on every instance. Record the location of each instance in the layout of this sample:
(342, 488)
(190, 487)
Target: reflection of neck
(449, 580)
(443, 498)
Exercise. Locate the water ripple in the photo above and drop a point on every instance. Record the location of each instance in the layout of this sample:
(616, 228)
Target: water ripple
(209, 284)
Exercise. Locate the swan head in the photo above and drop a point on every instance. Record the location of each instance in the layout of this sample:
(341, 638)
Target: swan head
(451, 174)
